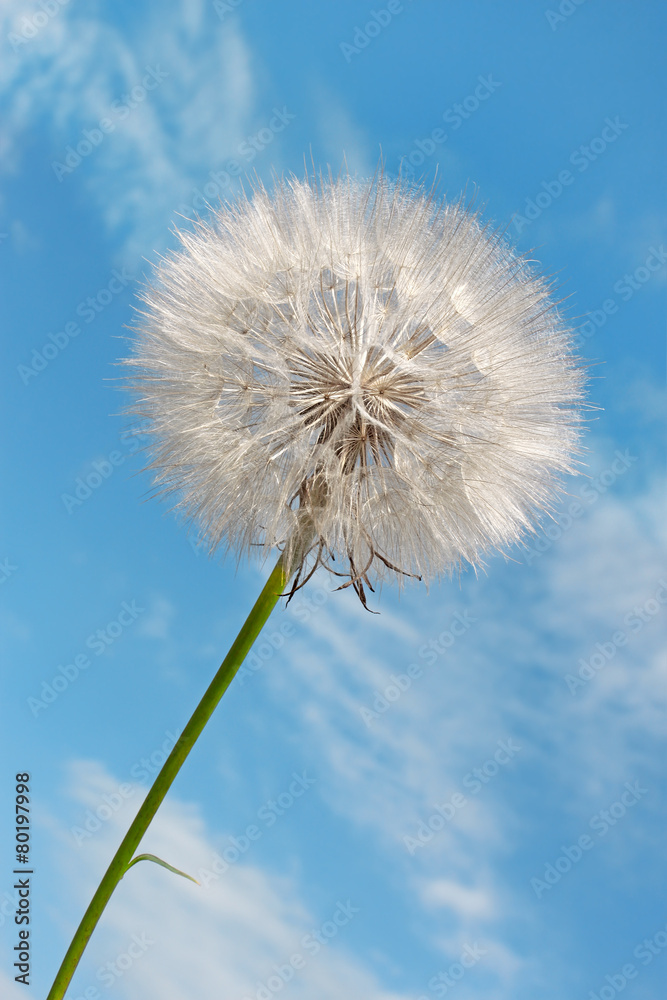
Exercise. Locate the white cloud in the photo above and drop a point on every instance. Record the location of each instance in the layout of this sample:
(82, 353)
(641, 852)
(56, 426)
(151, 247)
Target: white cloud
(74, 69)
(463, 900)
(599, 221)
(22, 240)
(220, 939)
(607, 562)
(643, 395)
(155, 624)
(503, 678)
(8, 988)
(343, 141)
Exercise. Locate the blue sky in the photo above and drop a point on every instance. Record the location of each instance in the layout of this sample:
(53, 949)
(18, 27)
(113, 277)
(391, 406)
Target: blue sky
(552, 116)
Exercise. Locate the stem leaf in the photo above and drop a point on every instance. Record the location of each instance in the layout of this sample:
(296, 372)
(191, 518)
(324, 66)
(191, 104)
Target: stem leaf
(159, 861)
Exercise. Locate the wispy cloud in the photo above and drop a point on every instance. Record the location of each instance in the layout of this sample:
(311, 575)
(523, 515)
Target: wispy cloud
(227, 937)
(155, 625)
(344, 141)
(77, 71)
(504, 679)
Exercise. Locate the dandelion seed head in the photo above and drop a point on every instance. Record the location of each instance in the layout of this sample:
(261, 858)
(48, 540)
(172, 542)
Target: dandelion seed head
(360, 355)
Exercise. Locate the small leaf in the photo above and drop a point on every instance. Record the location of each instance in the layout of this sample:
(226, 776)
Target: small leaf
(159, 861)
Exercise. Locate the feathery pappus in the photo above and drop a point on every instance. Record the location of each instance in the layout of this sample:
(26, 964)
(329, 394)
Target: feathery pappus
(359, 371)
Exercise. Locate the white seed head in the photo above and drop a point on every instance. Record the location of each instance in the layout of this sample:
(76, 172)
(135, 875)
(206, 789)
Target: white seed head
(360, 357)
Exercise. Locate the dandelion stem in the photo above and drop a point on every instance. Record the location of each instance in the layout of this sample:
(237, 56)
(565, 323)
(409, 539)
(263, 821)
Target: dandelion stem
(253, 625)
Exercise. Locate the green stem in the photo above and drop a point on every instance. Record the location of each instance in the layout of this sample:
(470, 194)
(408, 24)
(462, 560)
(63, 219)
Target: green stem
(254, 623)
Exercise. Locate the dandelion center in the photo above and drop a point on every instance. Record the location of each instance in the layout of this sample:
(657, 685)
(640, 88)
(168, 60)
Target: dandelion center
(355, 402)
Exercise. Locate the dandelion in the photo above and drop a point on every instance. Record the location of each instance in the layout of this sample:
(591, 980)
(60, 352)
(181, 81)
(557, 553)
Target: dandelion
(358, 375)
(356, 357)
